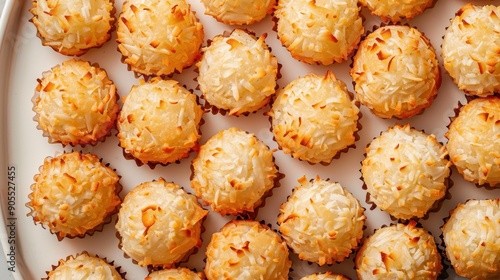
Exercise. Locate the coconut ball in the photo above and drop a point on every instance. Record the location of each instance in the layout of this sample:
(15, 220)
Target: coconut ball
(325, 276)
(239, 12)
(181, 273)
(83, 266)
(76, 103)
(246, 249)
(73, 27)
(158, 37)
(474, 141)
(399, 252)
(470, 49)
(472, 239)
(396, 72)
(313, 118)
(319, 32)
(233, 172)
(321, 221)
(159, 122)
(405, 171)
(397, 10)
(237, 72)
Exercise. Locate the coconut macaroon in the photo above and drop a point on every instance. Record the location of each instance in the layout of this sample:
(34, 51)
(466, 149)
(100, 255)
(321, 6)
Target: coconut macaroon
(73, 27)
(471, 49)
(474, 141)
(405, 171)
(472, 239)
(325, 276)
(233, 172)
(239, 12)
(83, 266)
(159, 122)
(246, 249)
(319, 32)
(396, 72)
(75, 103)
(328, 233)
(74, 194)
(399, 252)
(158, 37)
(238, 72)
(397, 10)
(181, 273)
(159, 224)
(313, 118)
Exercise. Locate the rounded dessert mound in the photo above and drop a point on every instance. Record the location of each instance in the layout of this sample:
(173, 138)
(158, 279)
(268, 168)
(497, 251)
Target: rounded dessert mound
(158, 37)
(238, 72)
(72, 27)
(396, 10)
(474, 141)
(325, 276)
(233, 171)
(181, 273)
(75, 103)
(405, 171)
(321, 221)
(239, 12)
(471, 49)
(472, 239)
(319, 32)
(159, 224)
(313, 118)
(83, 266)
(245, 249)
(399, 252)
(73, 194)
(159, 122)
(396, 72)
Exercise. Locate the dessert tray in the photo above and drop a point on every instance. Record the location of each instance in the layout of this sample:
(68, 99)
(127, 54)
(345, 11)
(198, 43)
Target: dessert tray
(31, 250)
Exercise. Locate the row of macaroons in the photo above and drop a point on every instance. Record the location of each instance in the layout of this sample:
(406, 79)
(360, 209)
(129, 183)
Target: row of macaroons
(74, 194)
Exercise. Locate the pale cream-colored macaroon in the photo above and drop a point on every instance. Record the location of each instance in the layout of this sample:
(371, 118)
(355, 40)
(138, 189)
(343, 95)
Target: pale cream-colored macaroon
(472, 238)
(399, 252)
(474, 141)
(178, 273)
(397, 10)
(246, 249)
(158, 37)
(314, 118)
(319, 32)
(405, 171)
(239, 12)
(471, 49)
(238, 72)
(74, 194)
(73, 27)
(159, 122)
(329, 233)
(75, 103)
(325, 276)
(84, 266)
(159, 224)
(233, 172)
(396, 72)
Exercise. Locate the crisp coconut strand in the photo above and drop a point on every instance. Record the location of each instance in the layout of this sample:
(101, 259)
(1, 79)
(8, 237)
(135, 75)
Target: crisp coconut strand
(314, 118)
(245, 249)
(405, 171)
(233, 171)
(472, 239)
(159, 223)
(159, 37)
(72, 27)
(84, 266)
(396, 72)
(396, 10)
(239, 12)
(474, 141)
(471, 49)
(319, 32)
(321, 221)
(180, 273)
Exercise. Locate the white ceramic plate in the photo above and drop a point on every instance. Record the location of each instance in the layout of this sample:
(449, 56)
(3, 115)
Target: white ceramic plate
(23, 148)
